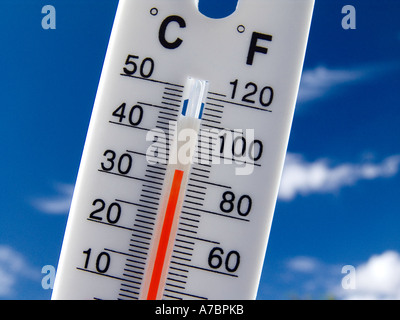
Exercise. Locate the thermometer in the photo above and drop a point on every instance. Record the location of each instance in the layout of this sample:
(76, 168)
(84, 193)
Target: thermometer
(180, 171)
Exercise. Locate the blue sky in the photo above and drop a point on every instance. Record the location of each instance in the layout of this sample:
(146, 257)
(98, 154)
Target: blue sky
(338, 204)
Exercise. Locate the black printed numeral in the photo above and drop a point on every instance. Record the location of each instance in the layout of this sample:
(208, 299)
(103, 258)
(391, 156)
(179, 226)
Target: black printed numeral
(122, 163)
(134, 114)
(242, 205)
(250, 93)
(218, 259)
(111, 213)
(134, 63)
(102, 262)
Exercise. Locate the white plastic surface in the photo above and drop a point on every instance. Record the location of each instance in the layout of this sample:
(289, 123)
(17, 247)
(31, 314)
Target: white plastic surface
(252, 61)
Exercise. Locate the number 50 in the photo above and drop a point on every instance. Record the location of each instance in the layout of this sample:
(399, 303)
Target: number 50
(146, 66)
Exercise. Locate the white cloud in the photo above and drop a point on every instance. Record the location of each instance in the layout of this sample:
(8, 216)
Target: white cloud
(316, 83)
(321, 81)
(58, 204)
(376, 279)
(303, 264)
(13, 266)
(310, 278)
(304, 178)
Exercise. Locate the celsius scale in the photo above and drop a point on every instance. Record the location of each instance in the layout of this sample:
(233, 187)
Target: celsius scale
(181, 167)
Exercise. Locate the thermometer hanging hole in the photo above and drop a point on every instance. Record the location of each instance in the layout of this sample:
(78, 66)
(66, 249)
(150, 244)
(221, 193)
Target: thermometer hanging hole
(217, 9)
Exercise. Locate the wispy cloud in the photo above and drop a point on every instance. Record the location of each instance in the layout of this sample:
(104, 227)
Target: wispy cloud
(318, 82)
(311, 278)
(57, 204)
(303, 178)
(13, 266)
(322, 81)
(303, 264)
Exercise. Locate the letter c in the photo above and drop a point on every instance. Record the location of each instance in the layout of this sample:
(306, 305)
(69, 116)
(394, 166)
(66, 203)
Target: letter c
(163, 28)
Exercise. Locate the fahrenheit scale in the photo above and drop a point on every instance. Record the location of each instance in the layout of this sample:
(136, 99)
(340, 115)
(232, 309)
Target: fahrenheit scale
(181, 167)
